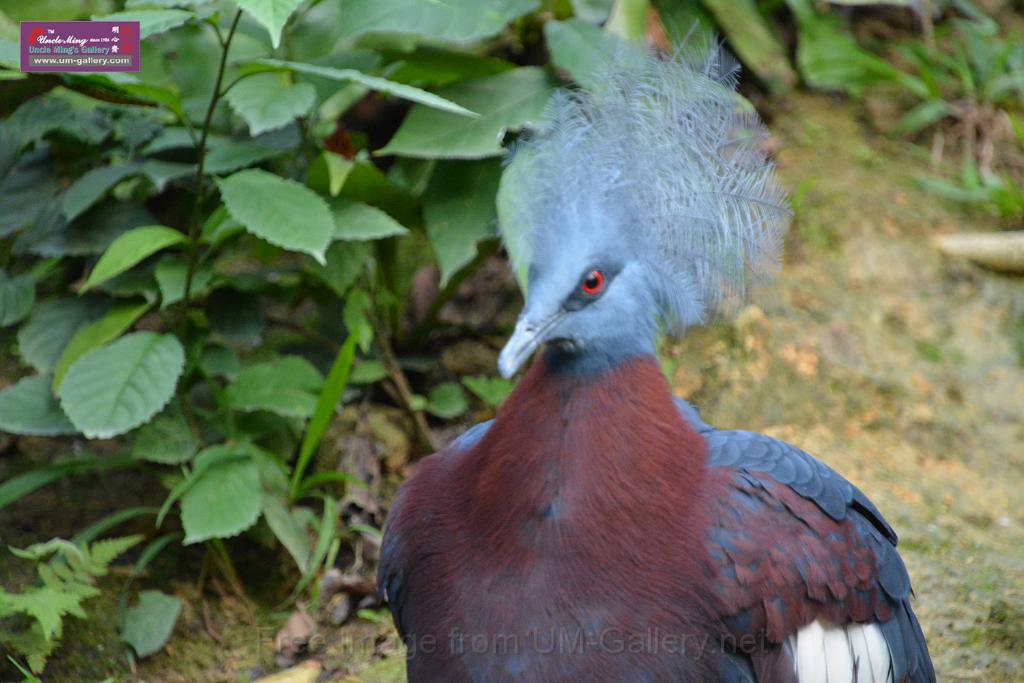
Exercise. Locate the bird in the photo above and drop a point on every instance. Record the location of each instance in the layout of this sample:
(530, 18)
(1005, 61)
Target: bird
(597, 529)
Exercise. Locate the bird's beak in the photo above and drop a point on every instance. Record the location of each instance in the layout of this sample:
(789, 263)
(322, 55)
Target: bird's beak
(528, 335)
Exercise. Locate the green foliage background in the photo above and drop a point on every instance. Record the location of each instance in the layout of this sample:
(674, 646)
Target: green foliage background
(206, 259)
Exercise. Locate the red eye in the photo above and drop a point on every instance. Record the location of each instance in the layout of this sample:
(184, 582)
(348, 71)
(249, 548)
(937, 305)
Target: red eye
(593, 282)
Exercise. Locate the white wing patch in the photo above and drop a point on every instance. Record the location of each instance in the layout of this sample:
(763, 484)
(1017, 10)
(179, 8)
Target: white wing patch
(855, 653)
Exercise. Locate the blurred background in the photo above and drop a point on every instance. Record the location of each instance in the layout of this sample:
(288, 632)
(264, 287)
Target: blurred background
(243, 290)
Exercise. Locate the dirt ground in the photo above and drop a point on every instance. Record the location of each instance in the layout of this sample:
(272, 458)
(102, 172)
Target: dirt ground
(903, 372)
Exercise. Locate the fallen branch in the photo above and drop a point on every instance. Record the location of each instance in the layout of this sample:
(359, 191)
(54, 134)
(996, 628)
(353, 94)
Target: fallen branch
(1002, 251)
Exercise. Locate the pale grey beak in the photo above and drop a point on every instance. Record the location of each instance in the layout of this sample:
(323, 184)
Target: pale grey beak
(525, 339)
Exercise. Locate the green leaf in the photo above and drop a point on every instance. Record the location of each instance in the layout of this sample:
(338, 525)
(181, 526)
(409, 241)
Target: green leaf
(219, 361)
(450, 21)
(922, 116)
(170, 274)
(50, 327)
(345, 263)
(224, 500)
(90, 233)
(504, 102)
(830, 59)
(595, 11)
(95, 334)
(582, 49)
(287, 386)
(151, 21)
(447, 400)
(355, 221)
(149, 624)
(406, 92)
(490, 390)
(165, 439)
(16, 297)
(47, 605)
(754, 41)
(91, 186)
(629, 19)
(162, 172)
(326, 403)
(269, 101)
(29, 407)
(26, 191)
(289, 531)
(271, 15)
(117, 387)
(368, 372)
(279, 210)
(431, 67)
(234, 155)
(131, 248)
(459, 210)
(329, 172)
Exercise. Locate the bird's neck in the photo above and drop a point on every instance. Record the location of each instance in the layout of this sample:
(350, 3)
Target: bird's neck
(567, 442)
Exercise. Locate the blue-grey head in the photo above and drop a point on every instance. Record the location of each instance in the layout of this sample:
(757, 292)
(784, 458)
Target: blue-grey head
(640, 207)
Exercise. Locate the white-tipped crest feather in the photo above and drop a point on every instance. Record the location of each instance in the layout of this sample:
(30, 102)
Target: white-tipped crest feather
(664, 161)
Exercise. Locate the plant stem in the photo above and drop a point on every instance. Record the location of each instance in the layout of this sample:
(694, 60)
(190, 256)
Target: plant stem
(197, 207)
(401, 383)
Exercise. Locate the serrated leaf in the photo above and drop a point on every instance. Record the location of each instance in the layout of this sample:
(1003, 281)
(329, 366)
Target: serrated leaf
(91, 186)
(287, 386)
(47, 605)
(459, 210)
(454, 21)
(279, 210)
(355, 221)
(288, 530)
(503, 102)
(131, 248)
(151, 21)
(102, 553)
(29, 407)
(406, 92)
(165, 439)
(224, 501)
(271, 15)
(117, 387)
(149, 624)
(50, 327)
(269, 101)
(447, 400)
(17, 295)
(95, 334)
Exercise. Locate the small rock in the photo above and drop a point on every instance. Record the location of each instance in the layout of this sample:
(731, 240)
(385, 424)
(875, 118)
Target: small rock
(339, 609)
(293, 638)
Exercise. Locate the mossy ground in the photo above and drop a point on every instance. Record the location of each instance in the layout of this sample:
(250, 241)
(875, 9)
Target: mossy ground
(902, 371)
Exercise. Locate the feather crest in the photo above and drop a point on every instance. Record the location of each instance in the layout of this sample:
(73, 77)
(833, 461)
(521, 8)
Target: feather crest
(662, 161)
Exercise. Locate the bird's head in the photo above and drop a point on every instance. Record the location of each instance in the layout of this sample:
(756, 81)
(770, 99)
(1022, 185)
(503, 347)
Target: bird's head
(639, 207)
